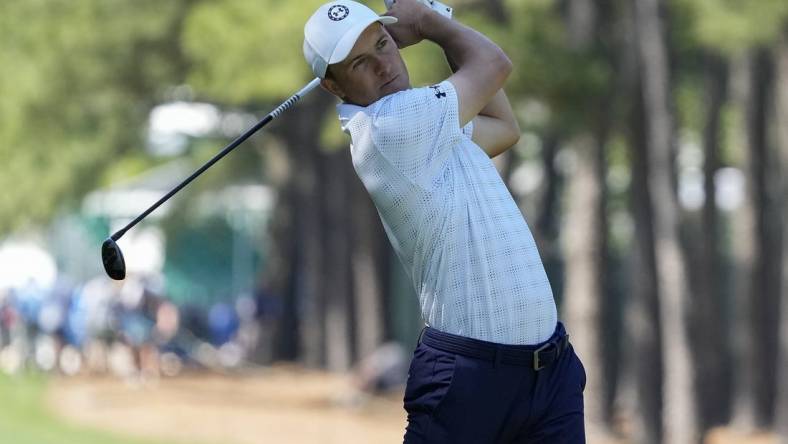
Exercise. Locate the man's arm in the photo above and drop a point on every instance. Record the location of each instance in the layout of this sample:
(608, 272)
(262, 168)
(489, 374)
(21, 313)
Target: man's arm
(482, 67)
(495, 129)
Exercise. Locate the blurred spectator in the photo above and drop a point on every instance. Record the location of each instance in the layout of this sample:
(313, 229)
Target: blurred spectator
(223, 323)
(128, 328)
(29, 299)
(51, 320)
(384, 370)
(89, 323)
(6, 318)
(248, 336)
(167, 322)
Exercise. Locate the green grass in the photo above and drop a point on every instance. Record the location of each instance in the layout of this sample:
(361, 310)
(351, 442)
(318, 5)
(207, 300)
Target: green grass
(24, 419)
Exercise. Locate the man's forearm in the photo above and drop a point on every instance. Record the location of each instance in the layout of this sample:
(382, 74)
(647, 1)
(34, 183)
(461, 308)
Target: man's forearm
(500, 108)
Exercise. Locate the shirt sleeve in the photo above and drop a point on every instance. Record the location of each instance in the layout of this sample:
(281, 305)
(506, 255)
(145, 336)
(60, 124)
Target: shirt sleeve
(416, 129)
(468, 130)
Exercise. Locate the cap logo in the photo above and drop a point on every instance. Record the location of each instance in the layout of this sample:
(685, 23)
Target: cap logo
(338, 12)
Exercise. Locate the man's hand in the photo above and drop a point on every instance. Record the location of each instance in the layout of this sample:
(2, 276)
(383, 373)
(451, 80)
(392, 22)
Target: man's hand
(409, 14)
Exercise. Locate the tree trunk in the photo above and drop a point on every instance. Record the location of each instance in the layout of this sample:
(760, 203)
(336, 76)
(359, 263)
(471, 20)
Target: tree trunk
(781, 118)
(336, 283)
(709, 329)
(765, 290)
(743, 409)
(370, 261)
(781, 122)
(643, 320)
(585, 250)
(581, 22)
(295, 276)
(546, 221)
(609, 327)
(680, 425)
(306, 273)
(585, 231)
(495, 9)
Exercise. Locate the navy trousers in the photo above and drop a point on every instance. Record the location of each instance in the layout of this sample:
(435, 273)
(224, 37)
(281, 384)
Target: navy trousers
(462, 390)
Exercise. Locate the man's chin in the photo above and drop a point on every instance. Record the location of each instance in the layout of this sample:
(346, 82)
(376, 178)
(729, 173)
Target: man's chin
(393, 87)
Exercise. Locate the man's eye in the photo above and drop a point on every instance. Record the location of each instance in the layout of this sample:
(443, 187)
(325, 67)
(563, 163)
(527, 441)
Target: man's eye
(382, 44)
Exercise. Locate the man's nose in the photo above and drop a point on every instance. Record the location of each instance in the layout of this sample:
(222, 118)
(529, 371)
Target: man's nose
(382, 67)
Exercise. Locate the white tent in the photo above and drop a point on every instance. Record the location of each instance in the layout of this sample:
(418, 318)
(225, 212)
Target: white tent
(23, 262)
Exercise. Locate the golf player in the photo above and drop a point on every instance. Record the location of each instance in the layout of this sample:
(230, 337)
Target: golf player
(493, 364)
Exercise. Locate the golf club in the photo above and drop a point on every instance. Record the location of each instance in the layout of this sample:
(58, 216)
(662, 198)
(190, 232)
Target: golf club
(112, 257)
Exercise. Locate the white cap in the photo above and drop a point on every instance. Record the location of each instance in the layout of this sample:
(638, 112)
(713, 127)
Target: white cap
(331, 32)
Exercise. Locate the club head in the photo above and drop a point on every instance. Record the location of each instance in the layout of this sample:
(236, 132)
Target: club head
(112, 257)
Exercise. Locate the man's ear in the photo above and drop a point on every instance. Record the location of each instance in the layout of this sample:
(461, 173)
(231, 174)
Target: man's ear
(333, 87)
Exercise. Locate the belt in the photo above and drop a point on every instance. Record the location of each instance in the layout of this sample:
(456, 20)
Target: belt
(535, 356)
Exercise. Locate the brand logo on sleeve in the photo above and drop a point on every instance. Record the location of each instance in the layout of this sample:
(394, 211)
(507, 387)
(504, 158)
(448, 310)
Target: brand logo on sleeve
(438, 93)
(338, 12)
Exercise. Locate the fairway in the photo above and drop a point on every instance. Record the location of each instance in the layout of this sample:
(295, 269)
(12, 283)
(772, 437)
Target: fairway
(24, 419)
(284, 404)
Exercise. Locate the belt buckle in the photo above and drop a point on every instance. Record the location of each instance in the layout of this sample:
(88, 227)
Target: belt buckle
(538, 367)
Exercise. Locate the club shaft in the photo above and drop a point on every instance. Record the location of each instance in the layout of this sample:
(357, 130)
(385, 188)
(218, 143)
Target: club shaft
(271, 116)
